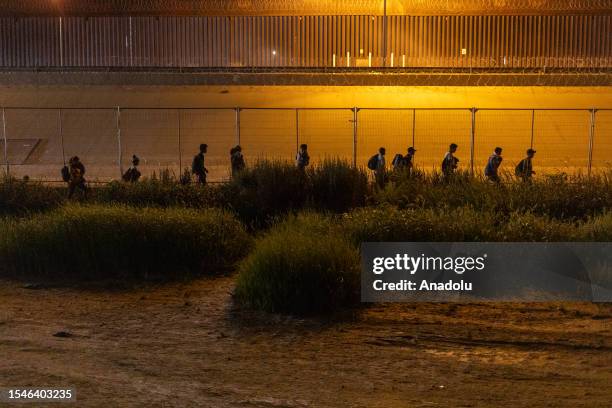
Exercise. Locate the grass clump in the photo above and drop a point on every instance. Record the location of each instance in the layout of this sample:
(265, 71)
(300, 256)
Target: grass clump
(337, 186)
(390, 224)
(19, 197)
(99, 243)
(269, 189)
(157, 192)
(300, 267)
(561, 197)
(597, 229)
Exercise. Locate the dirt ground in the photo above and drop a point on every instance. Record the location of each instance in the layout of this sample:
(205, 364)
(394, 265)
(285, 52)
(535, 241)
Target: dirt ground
(185, 344)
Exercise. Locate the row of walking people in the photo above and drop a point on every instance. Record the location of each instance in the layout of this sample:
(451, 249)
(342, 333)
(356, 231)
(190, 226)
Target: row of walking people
(74, 172)
(450, 164)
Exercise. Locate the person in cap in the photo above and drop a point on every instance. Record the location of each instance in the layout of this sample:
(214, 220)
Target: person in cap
(197, 166)
(450, 162)
(524, 170)
(408, 159)
(492, 168)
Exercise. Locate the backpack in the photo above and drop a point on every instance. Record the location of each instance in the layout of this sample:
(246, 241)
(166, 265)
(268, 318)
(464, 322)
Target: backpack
(398, 160)
(196, 165)
(373, 162)
(65, 174)
(519, 170)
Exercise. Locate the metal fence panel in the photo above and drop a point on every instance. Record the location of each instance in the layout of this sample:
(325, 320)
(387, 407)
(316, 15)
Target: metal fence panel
(602, 141)
(34, 143)
(510, 130)
(268, 133)
(561, 138)
(487, 41)
(328, 133)
(216, 128)
(91, 134)
(389, 128)
(39, 141)
(152, 135)
(435, 130)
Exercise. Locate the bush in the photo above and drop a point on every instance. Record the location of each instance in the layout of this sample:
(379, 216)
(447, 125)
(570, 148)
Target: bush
(97, 243)
(266, 189)
(156, 192)
(597, 229)
(18, 197)
(272, 188)
(301, 267)
(390, 224)
(560, 197)
(337, 186)
(531, 228)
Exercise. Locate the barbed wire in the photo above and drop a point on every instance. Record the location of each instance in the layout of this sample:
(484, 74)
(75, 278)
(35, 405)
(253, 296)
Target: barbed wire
(302, 7)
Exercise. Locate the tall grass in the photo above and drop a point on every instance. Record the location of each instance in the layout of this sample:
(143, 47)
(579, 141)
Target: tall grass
(442, 225)
(158, 192)
(561, 196)
(309, 263)
(98, 243)
(337, 186)
(272, 188)
(301, 267)
(18, 197)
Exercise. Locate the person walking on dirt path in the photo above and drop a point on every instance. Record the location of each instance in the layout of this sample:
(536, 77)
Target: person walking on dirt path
(197, 166)
(132, 175)
(450, 162)
(302, 159)
(492, 168)
(76, 178)
(237, 160)
(524, 170)
(378, 166)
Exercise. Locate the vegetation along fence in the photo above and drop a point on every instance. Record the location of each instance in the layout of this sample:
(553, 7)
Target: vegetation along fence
(36, 142)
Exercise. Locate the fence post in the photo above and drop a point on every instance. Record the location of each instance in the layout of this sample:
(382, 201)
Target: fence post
(472, 139)
(413, 125)
(532, 126)
(297, 130)
(120, 160)
(237, 124)
(355, 110)
(591, 138)
(178, 112)
(61, 133)
(5, 142)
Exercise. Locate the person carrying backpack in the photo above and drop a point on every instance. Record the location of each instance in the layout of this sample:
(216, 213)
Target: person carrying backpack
(450, 162)
(492, 167)
(404, 163)
(237, 160)
(378, 166)
(302, 159)
(132, 175)
(197, 166)
(524, 170)
(76, 178)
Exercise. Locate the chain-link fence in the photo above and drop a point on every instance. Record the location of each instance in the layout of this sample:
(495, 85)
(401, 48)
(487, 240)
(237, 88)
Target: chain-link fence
(37, 142)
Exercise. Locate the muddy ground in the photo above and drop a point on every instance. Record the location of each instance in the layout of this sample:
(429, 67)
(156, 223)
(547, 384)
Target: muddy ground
(186, 345)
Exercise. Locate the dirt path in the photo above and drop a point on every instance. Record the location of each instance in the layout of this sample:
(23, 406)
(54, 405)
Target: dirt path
(184, 345)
